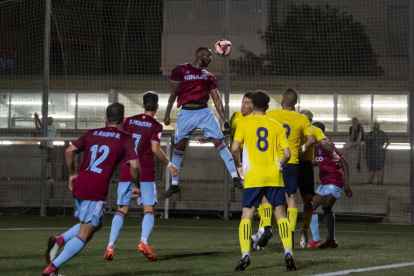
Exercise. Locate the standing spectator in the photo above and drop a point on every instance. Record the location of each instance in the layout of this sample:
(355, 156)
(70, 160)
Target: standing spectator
(51, 133)
(355, 139)
(375, 152)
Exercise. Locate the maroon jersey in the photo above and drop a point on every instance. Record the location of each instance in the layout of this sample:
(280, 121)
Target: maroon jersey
(196, 84)
(144, 129)
(103, 149)
(330, 172)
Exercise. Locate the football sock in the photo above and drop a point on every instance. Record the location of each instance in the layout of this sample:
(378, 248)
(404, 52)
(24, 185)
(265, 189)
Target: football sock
(292, 214)
(260, 232)
(315, 227)
(73, 247)
(307, 218)
(245, 232)
(116, 226)
(247, 253)
(330, 224)
(267, 214)
(71, 233)
(285, 233)
(227, 158)
(147, 225)
(176, 161)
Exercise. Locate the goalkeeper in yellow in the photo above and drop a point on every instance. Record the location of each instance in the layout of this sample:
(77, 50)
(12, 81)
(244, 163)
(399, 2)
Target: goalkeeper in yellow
(263, 138)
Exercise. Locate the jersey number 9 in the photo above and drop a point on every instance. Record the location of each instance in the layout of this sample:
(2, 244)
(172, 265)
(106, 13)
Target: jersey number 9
(262, 139)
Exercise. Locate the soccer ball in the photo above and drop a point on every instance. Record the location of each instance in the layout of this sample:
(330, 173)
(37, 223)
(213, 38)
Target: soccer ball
(223, 47)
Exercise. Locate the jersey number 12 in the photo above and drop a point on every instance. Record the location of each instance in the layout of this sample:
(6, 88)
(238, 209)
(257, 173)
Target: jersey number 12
(93, 166)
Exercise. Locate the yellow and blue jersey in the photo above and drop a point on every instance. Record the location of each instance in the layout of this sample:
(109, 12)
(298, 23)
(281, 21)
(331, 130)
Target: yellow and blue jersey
(318, 133)
(235, 119)
(295, 125)
(262, 138)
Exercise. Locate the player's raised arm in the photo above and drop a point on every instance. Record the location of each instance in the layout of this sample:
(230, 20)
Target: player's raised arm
(171, 101)
(156, 149)
(215, 95)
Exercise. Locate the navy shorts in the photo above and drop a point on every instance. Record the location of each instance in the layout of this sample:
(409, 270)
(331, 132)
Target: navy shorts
(306, 177)
(254, 196)
(290, 178)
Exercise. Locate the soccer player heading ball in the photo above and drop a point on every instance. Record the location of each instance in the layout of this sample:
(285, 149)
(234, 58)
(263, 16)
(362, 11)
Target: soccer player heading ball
(192, 84)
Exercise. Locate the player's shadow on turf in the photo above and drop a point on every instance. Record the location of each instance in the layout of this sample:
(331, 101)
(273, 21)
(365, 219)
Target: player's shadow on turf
(178, 256)
(147, 272)
(361, 246)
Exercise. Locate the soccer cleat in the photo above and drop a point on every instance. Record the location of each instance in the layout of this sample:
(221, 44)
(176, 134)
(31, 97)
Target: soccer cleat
(328, 243)
(266, 236)
(237, 183)
(53, 248)
(109, 254)
(172, 190)
(146, 250)
(243, 264)
(304, 239)
(314, 244)
(254, 243)
(51, 270)
(290, 264)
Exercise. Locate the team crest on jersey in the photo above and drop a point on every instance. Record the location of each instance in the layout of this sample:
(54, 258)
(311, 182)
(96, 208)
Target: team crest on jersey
(188, 72)
(143, 117)
(320, 152)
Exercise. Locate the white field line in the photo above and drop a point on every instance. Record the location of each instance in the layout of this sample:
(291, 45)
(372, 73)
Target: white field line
(345, 272)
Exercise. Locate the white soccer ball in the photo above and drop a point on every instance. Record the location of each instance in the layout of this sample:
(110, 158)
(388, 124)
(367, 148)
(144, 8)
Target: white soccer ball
(223, 47)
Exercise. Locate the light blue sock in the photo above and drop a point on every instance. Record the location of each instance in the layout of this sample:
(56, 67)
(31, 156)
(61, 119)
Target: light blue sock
(73, 247)
(71, 233)
(227, 158)
(315, 227)
(176, 161)
(116, 226)
(147, 225)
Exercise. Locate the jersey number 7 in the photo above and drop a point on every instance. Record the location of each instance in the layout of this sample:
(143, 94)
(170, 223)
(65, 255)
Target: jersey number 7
(137, 138)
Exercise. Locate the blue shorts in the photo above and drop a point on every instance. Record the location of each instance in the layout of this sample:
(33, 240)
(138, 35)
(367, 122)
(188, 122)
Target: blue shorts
(124, 193)
(190, 120)
(290, 178)
(89, 211)
(254, 196)
(148, 194)
(324, 190)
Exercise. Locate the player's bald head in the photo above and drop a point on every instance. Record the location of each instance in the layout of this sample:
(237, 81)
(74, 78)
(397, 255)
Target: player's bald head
(260, 100)
(115, 113)
(290, 97)
(203, 49)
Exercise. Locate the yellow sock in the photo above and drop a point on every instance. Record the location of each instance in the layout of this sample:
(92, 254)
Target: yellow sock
(307, 218)
(245, 232)
(285, 232)
(292, 214)
(267, 214)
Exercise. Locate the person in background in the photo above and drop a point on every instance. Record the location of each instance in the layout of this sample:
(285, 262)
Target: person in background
(355, 139)
(51, 133)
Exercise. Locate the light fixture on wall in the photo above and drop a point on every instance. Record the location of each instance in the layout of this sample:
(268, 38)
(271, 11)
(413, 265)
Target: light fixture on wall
(384, 105)
(90, 103)
(392, 119)
(330, 119)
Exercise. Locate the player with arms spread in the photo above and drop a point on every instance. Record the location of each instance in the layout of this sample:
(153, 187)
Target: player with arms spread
(147, 134)
(103, 149)
(295, 125)
(334, 176)
(263, 138)
(193, 85)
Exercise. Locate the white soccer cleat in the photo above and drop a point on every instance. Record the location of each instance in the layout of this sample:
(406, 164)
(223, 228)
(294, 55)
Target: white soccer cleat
(254, 240)
(52, 249)
(304, 238)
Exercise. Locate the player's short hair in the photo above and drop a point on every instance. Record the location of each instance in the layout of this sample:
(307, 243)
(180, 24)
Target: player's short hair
(115, 113)
(248, 95)
(203, 49)
(308, 113)
(150, 100)
(290, 97)
(355, 118)
(319, 125)
(260, 100)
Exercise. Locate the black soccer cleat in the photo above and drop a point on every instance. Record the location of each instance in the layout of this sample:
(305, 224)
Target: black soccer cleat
(266, 236)
(243, 264)
(237, 183)
(172, 190)
(290, 264)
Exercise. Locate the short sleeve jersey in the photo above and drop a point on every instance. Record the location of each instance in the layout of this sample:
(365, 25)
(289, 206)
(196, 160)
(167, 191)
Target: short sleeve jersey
(235, 119)
(374, 140)
(262, 138)
(295, 125)
(308, 155)
(330, 172)
(144, 129)
(103, 149)
(195, 84)
(358, 130)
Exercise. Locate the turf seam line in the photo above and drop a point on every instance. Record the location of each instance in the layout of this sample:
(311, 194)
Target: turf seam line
(345, 272)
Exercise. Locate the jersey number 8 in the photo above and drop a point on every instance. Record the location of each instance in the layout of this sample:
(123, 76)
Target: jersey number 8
(262, 139)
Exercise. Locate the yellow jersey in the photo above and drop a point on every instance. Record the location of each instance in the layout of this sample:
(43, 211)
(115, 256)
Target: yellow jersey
(318, 133)
(235, 119)
(262, 138)
(294, 124)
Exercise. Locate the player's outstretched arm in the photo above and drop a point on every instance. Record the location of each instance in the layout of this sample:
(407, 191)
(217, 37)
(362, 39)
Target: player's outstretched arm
(135, 171)
(70, 163)
(310, 140)
(171, 101)
(345, 170)
(236, 157)
(215, 95)
(326, 145)
(156, 149)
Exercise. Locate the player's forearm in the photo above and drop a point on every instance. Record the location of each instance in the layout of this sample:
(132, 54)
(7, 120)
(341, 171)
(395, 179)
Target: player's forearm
(359, 137)
(236, 153)
(345, 169)
(220, 109)
(70, 161)
(327, 146)
(161, 155)
(135, 171)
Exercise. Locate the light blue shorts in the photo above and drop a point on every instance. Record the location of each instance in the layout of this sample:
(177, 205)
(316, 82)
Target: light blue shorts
(329, 189)
(149, 194)
(124, 193)
(190, 120)
(89, 211)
